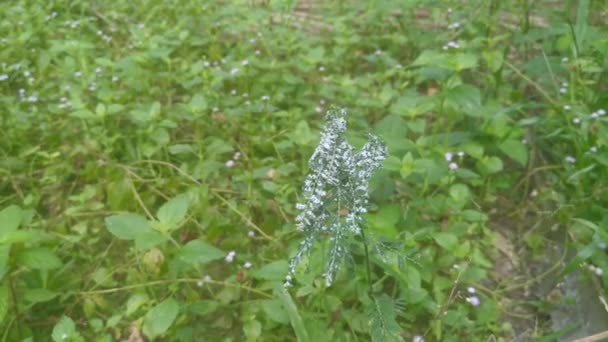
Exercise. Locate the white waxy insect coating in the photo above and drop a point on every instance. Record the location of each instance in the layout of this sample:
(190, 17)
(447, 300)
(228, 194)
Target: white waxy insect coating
(335, 193)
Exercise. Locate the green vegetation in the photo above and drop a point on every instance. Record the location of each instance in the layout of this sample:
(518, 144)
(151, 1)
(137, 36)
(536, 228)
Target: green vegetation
(152, 154)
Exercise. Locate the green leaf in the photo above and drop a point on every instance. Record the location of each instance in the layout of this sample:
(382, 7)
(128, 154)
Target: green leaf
(158, 320)
(274, 271)
(274, 310)
(39, 259)
(489, 165)
(39, 295)
(302, 134)
(446, 240)
(127, 226)
(64, 330)
(174, 211)
(252, 330)
(135, 302)
(149, 239)
(383, 325)
(197, 252)
(292, 311)
(515, 150)
(4, 301)
(10, 219)
(198, 103)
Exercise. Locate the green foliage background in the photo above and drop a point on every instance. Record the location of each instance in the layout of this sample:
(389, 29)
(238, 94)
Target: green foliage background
(122, 195)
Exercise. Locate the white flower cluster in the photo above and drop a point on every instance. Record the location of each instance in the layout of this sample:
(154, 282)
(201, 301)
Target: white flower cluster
(335, 192)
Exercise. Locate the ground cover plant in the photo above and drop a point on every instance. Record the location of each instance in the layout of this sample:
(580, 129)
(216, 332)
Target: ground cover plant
(153, 156)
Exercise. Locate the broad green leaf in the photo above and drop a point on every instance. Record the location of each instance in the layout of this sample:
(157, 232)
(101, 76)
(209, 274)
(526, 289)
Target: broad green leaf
(274, 271)
(197, 252)
(489, 165)
(64, 330)
(516, 150)
(149, 239)
(252, 330)
(127, 226)
(198, 103)
(302, 134)
(292, 311)
(160, 318)
(460, 193)
(274, 310)
(39, 295)
(10, 218)
(383, 324)
(446, 240)
(39, 259)
(135, 302)
(174, 211)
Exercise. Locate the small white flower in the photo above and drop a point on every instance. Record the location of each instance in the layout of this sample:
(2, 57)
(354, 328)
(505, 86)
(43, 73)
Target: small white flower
(601, 112)
(251, 233)
(63, 99)
(418, 339)
(234, 71)
(26, 73)
(247, 103)
(567, 107)
(524, 141)
(215, 109)
(461, 154)
(474, 300)
(252, 40)
(3, 77)
(245, 62)
(230, 164)
(21, 92)
(321, 68)
(399, 66)
(98, 70)
(454, 26)
(453, 166)
(237, 156)
(471, 289)
(247, 264)
(233, 92)
(594, 115)
(141, 26)
(570, 159)
(107, 38)
(245, 95)
(563, 90)
(565, 84)
(318, 109)
(30, 80)
(448, 156)
(257, 52)
(565, 60)
(593, 149)
(223, 60)
(455, 266)
(230, 256)
(64, 336)
(378, 52)
(74, 24)
(115, 78)
(78, 74)
(200, 283)
(534, 193)
(265, 98)
(207, 278)
(206, 64)
(321, 102)
(576, 120)
(32, 98)
(100, 33)
(599, 272)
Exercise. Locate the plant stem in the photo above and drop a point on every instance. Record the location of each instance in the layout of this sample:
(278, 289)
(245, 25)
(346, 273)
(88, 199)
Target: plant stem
(367, 265)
